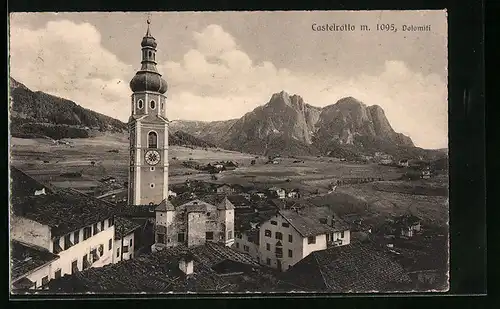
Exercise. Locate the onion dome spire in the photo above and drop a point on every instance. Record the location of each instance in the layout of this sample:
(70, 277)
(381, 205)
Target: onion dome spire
(148, 78)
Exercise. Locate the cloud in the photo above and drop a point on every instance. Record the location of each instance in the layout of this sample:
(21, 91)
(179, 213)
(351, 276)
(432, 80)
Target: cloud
(67, 59)
(217, 80)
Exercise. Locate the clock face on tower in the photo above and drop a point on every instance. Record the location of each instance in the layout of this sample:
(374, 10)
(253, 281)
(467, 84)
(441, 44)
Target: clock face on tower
(152, 157)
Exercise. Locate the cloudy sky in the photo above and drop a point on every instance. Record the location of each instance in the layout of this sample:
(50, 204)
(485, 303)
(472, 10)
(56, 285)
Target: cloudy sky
(221, 65)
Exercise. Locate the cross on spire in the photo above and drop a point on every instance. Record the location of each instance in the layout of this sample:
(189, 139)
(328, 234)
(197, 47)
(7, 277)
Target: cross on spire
(148, 21)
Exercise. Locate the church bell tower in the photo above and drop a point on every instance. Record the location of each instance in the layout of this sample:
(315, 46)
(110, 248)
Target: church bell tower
(148, 129)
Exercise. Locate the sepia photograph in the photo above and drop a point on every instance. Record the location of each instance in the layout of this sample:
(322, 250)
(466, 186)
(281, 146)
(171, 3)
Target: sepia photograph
(228, 152)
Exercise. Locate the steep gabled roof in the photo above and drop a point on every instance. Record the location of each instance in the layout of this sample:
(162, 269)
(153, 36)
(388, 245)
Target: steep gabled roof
(26, 258)
(306, 226)
(63, 210)
(124, 227)
(357, 268)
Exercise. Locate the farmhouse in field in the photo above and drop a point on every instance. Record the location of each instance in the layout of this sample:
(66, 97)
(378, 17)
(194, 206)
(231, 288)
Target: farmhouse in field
(225, 188)
(64, 231)
(408, 225)
(403, 163)
(277, 192)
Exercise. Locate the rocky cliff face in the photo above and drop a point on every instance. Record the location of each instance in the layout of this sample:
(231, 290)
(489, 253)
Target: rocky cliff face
(288, 125)
(284, 118)
(348, 120)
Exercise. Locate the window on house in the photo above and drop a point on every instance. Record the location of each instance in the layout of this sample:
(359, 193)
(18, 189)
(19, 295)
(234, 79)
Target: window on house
(342, 234)
(229, 234)
(45, 281)
(101, 250)
(149, 52)
(102, 225)
(274, 222)
(267, 233)
(284, 224)
(239, 235)
(140, 104)
(57, 274)
(208, 214)
(131, 243)
(93, 254)
(67, 242)
(246, 248)
(152, 140)
(111, 222)
(290, 238)
(87, 232)
(110, 244)
(95, 229)
(311, 239)
(209, 235)
(125, 249)
(180, 237)
(117, 252)
(279, 252)
(56, 246)
(268, 261)
(76, 237)
(74, 267)
(279, 236)
(268, 247)
(85, 262)
(323, 220)
(152, 104)
(161, 238)
(237, 245)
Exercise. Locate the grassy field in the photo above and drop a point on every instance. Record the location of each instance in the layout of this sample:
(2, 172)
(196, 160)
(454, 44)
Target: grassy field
(46, 161)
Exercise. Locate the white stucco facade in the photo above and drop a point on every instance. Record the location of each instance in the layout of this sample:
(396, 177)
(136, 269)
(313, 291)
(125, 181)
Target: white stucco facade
(71, 255)
(124, 250)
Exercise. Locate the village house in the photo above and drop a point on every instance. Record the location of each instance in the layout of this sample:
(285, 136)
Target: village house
(356, 267)
(79, 229)
(288, 236)
(403, 163)
(194, 223)
(294, 193)
(29, 263)
(205, 268)
(407, 225)
(225, 188)
(386, 161)
(277, 192)
(125, 239)
(426, 173)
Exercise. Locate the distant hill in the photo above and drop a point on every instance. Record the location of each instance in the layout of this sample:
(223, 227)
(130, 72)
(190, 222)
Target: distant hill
(287, 125)
(180, 138)
(35, 114)
(38, 114)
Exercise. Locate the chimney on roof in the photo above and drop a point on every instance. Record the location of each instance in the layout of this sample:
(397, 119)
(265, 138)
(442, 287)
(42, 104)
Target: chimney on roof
(186, 265)
(40, 192)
